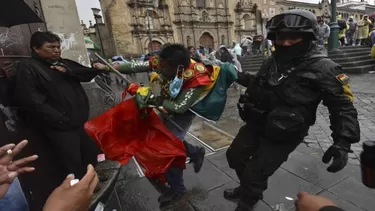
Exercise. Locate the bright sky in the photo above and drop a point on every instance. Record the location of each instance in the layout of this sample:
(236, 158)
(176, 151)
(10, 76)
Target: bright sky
(84, 10)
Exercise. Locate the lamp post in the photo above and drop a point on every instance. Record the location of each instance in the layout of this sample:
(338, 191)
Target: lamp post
(333, 41)
(156, 5)
(96, 12)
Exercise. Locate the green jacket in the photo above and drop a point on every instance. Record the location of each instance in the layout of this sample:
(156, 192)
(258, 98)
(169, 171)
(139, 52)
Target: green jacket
(182, 103)
(134, 67)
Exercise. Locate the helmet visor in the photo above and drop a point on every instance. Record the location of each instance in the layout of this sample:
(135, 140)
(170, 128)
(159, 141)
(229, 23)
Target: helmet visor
(289, 21)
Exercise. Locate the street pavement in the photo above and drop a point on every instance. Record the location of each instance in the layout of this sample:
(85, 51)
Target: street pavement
(303, 171)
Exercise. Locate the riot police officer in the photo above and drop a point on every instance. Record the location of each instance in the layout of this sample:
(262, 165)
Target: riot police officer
(280, 105)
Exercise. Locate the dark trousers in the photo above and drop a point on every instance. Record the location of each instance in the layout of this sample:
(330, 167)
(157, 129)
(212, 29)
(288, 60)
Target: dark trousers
(75, 149)
(174, 176)
(60, 153)
(255, 159)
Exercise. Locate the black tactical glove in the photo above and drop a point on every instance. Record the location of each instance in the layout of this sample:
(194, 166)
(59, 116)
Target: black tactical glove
(244, 110)
(339, 153)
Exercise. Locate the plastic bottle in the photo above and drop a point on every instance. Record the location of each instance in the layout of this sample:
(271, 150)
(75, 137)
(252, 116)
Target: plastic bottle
(368, 164)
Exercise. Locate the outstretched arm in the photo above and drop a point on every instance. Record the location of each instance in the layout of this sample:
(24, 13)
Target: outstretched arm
(133, 67)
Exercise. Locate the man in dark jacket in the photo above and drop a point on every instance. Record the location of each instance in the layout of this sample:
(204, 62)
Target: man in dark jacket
(280, 105)
(53, 102)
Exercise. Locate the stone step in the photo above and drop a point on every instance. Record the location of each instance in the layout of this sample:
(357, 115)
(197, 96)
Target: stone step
(253, 58)
(355, 58)
(356, 47)
(354, 63)
(360, 69)
(251, 65)
(252, 62)
(251, 69)
(348, 55)
(362, 51)
(349, 50)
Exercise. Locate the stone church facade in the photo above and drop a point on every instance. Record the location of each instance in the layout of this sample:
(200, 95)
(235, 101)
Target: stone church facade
(209, 23)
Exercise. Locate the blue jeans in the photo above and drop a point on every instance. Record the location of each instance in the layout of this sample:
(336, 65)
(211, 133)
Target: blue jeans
(14, 199)
(174, 176)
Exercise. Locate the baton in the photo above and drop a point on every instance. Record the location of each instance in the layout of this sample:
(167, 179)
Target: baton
(160, 108)
(113, 69)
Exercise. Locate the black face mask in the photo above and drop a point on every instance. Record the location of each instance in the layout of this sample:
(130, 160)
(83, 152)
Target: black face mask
(287, 53)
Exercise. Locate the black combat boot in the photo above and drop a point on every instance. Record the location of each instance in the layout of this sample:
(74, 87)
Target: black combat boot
(198, 159)
(169, 197)
(233, 194)
(247, 204)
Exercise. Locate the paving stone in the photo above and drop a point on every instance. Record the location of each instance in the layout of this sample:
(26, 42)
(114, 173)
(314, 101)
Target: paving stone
(303, 148)
(220, 161)
(354, 161)
(142, 195)
(312, 169)
(284, 184)
(213, 200)
(128, 173)
(138, 195)
(262, 206)
(181, 207)
(355, 192)
(210, 177)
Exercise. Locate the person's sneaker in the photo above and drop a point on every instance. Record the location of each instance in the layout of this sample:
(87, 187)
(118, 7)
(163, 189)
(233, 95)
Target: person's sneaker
(247, 205)
(198, 159)
(233, 194)
(168, 197)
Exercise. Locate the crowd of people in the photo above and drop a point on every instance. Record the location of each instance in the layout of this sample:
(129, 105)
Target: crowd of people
(278, 108)
(351, 32)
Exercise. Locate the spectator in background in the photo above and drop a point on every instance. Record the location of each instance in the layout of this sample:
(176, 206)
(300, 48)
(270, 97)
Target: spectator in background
(363, 30)
(193, 53)
(372, 36)
(323, 31)
(237, 49)
(342, 29)
(245, 45)
(352, 31)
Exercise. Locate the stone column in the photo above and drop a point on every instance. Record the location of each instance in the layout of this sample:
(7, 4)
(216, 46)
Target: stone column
(62, 19)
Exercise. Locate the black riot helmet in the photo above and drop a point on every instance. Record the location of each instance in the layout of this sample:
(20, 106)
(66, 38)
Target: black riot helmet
(297, 20)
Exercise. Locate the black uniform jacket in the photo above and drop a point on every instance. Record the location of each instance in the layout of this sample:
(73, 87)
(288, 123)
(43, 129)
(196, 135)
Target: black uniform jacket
(54, 107)
(302, 84)
(50, 98)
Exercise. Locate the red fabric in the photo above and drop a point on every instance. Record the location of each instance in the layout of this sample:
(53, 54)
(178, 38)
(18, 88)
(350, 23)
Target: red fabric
(122, 133)
(154, 62)
(199, 79)
(202, 80)
(132, 88)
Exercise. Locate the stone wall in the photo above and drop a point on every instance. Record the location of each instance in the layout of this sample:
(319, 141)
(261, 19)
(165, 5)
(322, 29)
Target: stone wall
(118, 22)
(62, 18)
